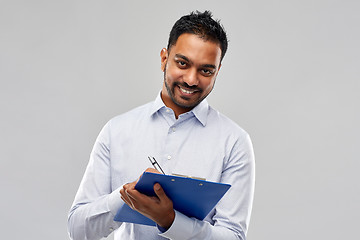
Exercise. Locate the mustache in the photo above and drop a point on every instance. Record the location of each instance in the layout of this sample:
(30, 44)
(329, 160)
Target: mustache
(182, 84)
(187, 86)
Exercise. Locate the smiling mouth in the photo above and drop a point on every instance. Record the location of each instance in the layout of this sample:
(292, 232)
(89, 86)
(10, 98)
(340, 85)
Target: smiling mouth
(186, 91)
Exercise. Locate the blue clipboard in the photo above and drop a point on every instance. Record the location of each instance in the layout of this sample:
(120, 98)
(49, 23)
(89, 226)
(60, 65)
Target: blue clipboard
(192, 197)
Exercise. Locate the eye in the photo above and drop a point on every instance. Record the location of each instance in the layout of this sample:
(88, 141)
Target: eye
(207, 72)
(181, 63)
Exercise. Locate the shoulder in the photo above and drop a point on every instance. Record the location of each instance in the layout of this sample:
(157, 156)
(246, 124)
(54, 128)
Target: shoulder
(236, 140)
(126, 119)
(225, 124)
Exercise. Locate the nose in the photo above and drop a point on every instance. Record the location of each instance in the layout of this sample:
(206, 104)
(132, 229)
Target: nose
(191, 78)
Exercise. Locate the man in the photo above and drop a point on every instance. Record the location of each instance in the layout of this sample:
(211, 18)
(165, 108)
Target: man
(185, 135)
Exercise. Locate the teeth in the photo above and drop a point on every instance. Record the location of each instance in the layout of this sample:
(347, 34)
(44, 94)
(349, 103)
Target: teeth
(186, 91)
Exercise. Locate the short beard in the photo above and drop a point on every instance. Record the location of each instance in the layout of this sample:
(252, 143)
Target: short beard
(171, 90)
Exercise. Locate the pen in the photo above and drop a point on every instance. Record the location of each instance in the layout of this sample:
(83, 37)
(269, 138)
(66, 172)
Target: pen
(156, 164)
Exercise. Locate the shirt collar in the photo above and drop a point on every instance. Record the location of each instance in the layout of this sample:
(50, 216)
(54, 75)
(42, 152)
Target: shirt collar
(157, 105)
(200, 111)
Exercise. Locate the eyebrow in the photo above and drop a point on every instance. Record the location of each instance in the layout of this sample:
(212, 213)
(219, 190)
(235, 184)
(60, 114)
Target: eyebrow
(178, 55)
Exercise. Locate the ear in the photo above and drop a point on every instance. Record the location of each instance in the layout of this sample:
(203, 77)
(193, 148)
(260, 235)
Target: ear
(163, 58)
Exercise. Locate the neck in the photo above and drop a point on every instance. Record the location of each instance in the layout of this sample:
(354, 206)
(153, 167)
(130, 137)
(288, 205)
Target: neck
(170, 104)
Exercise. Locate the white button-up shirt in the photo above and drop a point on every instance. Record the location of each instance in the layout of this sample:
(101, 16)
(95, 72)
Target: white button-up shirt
(201, 143)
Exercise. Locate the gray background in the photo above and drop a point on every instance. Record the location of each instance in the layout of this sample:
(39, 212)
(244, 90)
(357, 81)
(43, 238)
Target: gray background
(290, 78)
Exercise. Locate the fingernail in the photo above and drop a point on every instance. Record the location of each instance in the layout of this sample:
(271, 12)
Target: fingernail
(157, 186)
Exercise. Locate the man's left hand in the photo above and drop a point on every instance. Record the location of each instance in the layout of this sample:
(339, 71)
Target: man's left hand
(158, 208)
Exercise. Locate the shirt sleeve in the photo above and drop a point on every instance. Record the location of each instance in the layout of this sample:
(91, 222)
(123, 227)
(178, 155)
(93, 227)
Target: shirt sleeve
(95, 205)
(232, 213)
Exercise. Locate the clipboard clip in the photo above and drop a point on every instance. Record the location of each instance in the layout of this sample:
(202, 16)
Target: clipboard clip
(185, 176)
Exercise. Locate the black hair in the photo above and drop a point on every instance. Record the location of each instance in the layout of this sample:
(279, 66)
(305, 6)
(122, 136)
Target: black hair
(203, 25)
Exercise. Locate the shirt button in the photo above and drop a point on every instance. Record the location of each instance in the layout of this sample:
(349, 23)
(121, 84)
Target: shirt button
(169, 157)
(111, 229)
(173, 129)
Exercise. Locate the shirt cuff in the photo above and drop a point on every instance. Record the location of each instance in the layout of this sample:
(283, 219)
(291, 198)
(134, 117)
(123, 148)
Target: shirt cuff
(181, 227)
(115, 201)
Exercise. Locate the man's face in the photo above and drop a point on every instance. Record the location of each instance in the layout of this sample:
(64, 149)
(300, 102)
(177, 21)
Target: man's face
(190, 68)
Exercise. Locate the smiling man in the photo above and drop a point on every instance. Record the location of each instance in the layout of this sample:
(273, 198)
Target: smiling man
(185, 135)
(190, 69)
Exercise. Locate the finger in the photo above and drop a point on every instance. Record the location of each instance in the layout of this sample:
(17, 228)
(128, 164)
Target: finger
(123, 193)
(124, 196)
(129, 200)
(126, 201)
(135, 194)
(130, 185)
(159, 191)
(152, 170)
(129, 195)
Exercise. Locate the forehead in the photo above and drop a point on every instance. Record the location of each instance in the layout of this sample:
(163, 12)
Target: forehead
(197, 49)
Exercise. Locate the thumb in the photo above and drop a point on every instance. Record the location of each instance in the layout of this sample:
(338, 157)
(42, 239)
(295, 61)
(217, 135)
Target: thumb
(159, 191)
